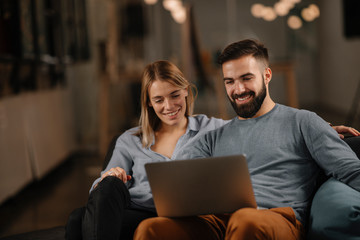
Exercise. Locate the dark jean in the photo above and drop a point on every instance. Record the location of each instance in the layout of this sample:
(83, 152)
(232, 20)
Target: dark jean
(107, 214)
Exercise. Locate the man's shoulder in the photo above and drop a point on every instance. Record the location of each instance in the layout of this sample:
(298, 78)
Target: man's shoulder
(299, 118)
(201, 122)
(298, 113)
(220, 129)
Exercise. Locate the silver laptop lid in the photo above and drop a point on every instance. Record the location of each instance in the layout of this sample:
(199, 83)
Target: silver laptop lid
(200, 186)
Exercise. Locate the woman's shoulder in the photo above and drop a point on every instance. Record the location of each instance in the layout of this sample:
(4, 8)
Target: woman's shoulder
(129, 135)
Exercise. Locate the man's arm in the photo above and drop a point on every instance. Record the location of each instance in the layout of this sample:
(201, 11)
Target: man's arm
(331, 153)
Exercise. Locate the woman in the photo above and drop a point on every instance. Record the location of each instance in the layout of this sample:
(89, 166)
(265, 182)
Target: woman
(121, 198)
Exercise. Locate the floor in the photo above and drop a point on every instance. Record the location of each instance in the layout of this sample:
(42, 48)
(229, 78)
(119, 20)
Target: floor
(48, 203)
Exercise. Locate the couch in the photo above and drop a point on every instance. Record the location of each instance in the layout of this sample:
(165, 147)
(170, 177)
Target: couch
(323, 223)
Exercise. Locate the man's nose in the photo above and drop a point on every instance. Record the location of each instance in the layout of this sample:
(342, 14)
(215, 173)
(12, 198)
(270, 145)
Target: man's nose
(239, 87)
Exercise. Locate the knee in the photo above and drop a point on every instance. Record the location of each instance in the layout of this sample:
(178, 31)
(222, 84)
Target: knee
(111, 188)
(247, 216)
(246, 223)
(151, 228)
(110, 184)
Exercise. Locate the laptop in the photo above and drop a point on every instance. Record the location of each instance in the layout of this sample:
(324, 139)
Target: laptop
(200, 186)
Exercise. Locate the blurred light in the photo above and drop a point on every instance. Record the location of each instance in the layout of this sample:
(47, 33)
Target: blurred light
(293, 2)
(315, 9)
(288, 3)
(150, 2)
(268, 14)
(294, 22)
(310, 13)
(257, 9)
(307, 15)
(281, 8)
(172, 4)
(179, 15)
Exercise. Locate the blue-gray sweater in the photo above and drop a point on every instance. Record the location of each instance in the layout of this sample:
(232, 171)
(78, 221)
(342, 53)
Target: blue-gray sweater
(131, 156)
(285, 149)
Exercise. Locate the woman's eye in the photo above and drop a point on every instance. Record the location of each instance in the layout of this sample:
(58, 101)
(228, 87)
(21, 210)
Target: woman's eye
(175, 96)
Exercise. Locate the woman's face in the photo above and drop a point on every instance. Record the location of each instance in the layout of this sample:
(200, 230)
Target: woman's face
(168, 102)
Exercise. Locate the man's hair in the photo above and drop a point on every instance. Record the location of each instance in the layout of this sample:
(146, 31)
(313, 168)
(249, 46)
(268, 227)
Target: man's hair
(167, 72)
(245, 48)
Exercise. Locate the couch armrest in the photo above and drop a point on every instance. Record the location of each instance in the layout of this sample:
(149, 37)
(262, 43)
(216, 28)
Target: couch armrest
(335, 209)
(335, 212)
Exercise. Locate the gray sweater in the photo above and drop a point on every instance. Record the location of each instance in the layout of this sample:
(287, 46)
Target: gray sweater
(285, 149)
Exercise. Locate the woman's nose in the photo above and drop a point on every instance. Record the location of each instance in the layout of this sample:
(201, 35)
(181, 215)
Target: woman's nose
(168, 104)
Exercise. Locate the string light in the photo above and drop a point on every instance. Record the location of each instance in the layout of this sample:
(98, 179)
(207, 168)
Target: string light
(269, 14)
(294, 22)
(282, 8)
(256, 10)
(172, 4)
(179, 15)
(176, 7)
(150, 2)
(310, 13)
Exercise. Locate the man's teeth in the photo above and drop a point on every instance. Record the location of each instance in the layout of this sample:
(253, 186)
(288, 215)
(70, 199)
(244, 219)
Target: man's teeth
(242, 99)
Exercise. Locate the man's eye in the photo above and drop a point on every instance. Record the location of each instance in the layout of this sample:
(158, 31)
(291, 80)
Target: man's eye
(247, 78)
(228, 82)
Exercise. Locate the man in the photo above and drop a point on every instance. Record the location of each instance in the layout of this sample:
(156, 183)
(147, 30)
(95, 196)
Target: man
(285, 149)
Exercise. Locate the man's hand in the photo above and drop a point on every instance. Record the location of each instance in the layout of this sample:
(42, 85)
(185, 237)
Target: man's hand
(341, 130)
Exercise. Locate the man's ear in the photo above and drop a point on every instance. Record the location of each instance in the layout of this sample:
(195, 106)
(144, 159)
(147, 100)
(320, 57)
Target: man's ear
(268, 75)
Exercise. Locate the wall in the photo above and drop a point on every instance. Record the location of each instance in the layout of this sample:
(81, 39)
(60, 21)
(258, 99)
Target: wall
(318, 51)
(285, 45)
(339, 60)
(83, 79)
(36, 135)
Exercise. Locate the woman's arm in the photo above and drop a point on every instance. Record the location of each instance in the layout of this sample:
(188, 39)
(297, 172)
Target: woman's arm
(341, 130)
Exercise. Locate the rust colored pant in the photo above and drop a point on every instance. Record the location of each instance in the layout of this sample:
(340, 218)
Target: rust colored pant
(246, 223)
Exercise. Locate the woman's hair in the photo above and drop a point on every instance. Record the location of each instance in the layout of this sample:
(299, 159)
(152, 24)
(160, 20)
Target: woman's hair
(167, 72)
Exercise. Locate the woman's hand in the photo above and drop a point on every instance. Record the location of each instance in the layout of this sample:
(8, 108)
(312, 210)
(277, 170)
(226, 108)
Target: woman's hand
(346, 130)
(117, 172)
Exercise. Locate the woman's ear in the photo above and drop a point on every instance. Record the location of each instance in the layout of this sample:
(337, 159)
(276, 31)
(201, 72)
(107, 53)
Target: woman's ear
(187, 92)
(149, 104)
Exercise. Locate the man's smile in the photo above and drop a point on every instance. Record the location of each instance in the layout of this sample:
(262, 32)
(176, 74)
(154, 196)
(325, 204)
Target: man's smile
(245, 97)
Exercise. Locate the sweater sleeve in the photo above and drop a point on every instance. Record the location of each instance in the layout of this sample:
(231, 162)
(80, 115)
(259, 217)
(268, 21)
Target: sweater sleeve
(330, 152)
(120, 158)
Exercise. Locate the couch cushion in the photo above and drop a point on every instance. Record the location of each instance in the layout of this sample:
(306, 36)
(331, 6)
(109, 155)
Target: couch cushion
(335, 212)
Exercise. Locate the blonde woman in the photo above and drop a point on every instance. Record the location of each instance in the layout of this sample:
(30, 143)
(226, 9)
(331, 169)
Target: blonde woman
(121, 197)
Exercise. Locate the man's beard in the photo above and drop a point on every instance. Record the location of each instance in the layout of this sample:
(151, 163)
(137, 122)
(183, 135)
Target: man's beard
(248, 110)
